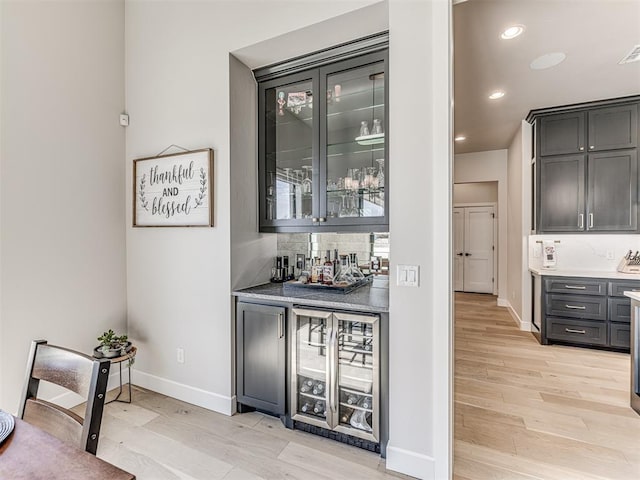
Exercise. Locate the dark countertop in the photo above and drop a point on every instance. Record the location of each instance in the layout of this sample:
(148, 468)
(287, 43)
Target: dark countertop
(369, 298)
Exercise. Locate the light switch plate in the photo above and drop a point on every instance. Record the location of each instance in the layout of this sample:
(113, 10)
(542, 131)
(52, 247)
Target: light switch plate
(408, 275)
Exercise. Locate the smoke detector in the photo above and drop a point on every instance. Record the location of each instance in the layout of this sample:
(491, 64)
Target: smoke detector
(632, 56)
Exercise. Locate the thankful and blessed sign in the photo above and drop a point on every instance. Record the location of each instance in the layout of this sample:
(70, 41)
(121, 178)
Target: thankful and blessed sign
(173, 190)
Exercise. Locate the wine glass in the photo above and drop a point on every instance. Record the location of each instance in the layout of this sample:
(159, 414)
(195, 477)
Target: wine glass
(380, 172)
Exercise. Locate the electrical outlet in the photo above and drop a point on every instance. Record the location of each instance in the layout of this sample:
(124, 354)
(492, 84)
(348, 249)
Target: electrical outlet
(611, 255)
(180, 355)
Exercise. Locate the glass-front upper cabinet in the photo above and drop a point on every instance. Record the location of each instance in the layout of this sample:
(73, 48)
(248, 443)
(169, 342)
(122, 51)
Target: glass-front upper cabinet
(323, 148)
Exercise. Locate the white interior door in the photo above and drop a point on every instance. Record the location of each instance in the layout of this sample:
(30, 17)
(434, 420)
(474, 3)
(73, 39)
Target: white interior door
(458, 249)
(478, 249)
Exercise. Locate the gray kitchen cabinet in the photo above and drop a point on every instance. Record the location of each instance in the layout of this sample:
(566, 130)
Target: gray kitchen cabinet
(322, 141)
(586, 312)
(587, 167)
(260, 357)
(562, 133)
(612, 191)
(561, 193)
(612, 128)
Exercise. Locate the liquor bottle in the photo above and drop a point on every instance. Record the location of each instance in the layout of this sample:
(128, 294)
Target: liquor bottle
(318, 408)
(321, 271)
(314, 271)
(336, 264)
(307, 407)
(352, 399)
(318, 388)
(327, 270)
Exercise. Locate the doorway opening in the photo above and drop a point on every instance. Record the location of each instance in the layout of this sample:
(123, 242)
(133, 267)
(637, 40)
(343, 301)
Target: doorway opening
(475, 235)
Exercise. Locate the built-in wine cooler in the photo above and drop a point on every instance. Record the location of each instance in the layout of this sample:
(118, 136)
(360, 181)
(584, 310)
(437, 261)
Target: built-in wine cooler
(335, 372)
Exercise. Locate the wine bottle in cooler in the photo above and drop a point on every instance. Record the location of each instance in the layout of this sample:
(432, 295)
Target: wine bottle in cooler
(366, 402)
(318, 408)
(352, 399)
(318, 388)
(307, 407)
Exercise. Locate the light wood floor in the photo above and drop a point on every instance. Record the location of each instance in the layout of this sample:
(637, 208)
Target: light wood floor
(157, 437)
(527, 411)
(522, 411)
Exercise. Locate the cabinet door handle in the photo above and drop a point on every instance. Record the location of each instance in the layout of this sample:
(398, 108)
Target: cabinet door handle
(591, 147)
(467, 254)
(575, 307)
(460, 254)
(333, 377)
(591, 220)
(581, 149)
(575, 287)
(322, 219)
(580, 220)
(280, 325)
(314, 220)
(571, 330)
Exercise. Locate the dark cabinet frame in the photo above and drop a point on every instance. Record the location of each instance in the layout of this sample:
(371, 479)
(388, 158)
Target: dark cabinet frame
(318, 76)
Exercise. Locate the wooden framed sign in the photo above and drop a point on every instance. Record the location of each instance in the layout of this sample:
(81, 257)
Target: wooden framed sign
(174, 190)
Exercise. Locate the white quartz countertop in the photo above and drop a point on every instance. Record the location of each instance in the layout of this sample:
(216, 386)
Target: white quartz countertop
(585, 273)
(633, 295)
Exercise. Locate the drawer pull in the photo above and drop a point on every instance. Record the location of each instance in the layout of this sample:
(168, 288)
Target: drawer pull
(571, 330)
(576, 307)
(575, 287)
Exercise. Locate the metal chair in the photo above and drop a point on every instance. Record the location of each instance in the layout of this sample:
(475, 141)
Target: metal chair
(76, 372)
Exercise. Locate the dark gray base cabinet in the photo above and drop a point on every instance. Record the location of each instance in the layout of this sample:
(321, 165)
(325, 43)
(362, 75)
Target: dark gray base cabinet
(260, 357)
(588, 312)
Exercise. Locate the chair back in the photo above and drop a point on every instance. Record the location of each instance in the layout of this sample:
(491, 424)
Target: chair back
(73, 371)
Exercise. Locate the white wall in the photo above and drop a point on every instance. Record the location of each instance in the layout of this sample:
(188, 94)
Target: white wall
(514, 224)
(489, 166)
(420, 364)
(479, 192)
(179, 280)
(62, 199)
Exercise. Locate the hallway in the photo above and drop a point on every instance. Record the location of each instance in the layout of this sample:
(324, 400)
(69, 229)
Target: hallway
(526, 411)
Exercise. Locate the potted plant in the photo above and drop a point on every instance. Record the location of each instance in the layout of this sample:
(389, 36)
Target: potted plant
(112, 345)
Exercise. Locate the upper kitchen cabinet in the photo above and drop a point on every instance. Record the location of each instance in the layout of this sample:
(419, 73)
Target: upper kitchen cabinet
(322, 136)
(561, 134)
(586, 167)
(593, 130)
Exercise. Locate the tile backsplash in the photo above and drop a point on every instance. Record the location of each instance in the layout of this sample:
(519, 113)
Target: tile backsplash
(585, 252)
(364, 245)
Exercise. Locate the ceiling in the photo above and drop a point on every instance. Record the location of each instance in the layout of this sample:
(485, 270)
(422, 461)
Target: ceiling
(594, 34)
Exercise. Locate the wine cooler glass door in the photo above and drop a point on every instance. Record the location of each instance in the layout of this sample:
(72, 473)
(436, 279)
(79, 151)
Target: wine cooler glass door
(358, 374)
(310, 392)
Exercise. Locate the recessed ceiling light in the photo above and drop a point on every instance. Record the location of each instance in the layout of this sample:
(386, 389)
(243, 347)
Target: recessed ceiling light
(496, 95)
(547, 60)
(460, 138)
(512, 32)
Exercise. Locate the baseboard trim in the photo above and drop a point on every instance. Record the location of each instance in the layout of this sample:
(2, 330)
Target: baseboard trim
(524, 326)
(186, 393)
(503, 303)
(410, 463)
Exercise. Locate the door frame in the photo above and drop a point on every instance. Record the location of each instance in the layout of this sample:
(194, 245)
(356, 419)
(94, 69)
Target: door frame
(496, 239)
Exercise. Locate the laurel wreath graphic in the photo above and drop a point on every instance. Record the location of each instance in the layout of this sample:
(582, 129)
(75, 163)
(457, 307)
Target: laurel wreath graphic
(141, 194)
(203, 188)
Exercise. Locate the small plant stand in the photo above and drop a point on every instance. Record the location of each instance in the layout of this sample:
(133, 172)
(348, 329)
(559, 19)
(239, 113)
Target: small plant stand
(128, 356)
